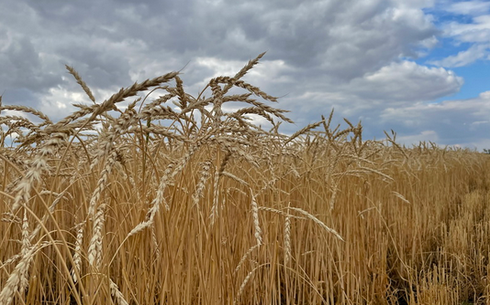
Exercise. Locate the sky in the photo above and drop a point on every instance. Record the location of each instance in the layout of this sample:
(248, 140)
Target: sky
(418, 67)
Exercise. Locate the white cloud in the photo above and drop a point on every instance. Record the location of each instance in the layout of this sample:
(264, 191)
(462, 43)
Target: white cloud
(406, 81)
(399, 84)
(468, 7)
(466, 57)
(472, 28)
(457, 122)
(415, 139)
(362, 43)
(476, 31)
(58, 102)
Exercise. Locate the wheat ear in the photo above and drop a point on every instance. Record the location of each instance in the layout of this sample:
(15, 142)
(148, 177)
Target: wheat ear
(255, 215)
(95, 247)
(16, 280)
(77, 258)
(117, 294)
(287, 237)
(156, 202)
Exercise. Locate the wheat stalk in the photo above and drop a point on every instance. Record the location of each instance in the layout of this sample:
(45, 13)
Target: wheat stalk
(317, 221)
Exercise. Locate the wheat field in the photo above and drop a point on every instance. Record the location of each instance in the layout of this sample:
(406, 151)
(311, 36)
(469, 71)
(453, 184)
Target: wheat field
(156, 196)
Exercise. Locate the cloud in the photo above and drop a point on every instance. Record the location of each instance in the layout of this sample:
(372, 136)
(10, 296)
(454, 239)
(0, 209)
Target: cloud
(468, 7)
(358, 57)
(464, 58)
(415, 139)
(305, 34)
(406, 81)
(114, 45)
(24, 65)
(465, 26)
(397, 85)
(459, 122)
(478, 30)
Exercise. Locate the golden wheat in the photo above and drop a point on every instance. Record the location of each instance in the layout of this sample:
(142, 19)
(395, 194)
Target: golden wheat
(173, 199)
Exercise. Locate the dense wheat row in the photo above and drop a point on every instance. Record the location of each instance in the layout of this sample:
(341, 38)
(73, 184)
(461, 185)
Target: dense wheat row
(171, 199)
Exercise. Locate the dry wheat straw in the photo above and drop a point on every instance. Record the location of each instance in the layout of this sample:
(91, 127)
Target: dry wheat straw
(245, 281)
(45, 217)
(216, 207)
(400, 196)
(168, 176)
(317, 221)
(245, 256)
(282, 213)
(376, 172)
(234, 177)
